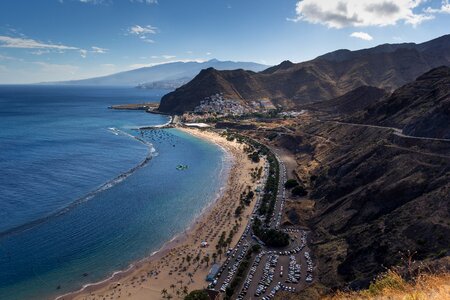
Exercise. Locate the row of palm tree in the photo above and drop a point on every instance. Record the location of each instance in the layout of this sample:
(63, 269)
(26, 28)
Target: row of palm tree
(182, 291)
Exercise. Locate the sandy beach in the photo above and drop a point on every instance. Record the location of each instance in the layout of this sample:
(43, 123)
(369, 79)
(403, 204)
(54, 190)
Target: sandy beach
(181, 265)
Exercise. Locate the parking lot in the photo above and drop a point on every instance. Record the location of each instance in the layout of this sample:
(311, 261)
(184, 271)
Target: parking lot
(272, 270)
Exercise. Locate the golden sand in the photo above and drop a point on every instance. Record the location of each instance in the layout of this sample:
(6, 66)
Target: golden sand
(170, 269)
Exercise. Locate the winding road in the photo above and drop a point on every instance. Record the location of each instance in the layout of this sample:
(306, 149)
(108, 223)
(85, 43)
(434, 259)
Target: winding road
(396, 131)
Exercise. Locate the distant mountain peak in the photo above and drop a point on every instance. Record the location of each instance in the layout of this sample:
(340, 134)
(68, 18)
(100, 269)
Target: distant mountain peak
(285, 65)
(166, 74)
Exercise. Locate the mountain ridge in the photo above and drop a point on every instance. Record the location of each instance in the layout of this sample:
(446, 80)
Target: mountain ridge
(328, 76)
(429, 94)
(162, 74)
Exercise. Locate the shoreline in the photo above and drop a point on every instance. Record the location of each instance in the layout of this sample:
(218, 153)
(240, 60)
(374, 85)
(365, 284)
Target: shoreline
(182, 241)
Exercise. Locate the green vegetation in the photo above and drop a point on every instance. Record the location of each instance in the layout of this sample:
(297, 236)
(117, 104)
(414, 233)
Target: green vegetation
(272, 136)
(254, 157)
(246, 199)
(240, 273)
(256, 173)
(299, 191)
(271, 188)
(290, 183)
(197, 295)
(270, 237)
(225, 241)
(269, 198)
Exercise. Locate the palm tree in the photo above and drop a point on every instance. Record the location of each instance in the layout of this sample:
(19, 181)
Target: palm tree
(181, 283)
(178, 293)
(190, 276)
(206, 259)
(185, 291)
(164, 293)
(214, 257)
(169, 296)
(172, 286)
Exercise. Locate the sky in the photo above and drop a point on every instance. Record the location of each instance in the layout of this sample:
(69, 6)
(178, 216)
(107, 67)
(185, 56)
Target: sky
(53, 40)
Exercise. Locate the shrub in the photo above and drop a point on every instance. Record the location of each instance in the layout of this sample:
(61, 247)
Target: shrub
(270, 237)
(299, 191)
(197, 295)
(290, 183)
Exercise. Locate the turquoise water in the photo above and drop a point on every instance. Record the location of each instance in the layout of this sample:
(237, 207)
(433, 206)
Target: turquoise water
(68, 216)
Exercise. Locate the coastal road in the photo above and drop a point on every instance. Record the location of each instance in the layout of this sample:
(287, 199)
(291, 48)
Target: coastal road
(295, 252)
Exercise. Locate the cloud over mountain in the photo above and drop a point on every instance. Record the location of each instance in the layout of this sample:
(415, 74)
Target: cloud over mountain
(356, 13)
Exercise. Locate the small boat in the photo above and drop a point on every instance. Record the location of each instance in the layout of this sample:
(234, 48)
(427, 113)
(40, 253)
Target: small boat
(182, 167)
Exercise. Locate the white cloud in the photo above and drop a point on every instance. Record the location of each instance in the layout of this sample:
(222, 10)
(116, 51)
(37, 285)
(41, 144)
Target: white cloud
(208, 53)
(142, 32)
(111, 1)
(83, 53)
(92, 1)
(137, 66)
(164, 56)
(146, 39)
(139, 30)
(25, 43)
(40, 52)
(41, 48)
(362, 35)
(444, 9)
(357, 13)
(98, 50)
(56, 68)
(5, 57)
(145, 1)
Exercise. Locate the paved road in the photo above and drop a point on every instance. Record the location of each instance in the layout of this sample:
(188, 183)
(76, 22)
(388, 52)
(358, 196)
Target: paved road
(261, 266)
(396, 131)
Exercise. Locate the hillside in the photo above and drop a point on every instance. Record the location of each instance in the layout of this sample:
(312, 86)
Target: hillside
(421, 108)
(164, 75)
(353, 101)
(328, 76)
(378, 194)
(374, 195)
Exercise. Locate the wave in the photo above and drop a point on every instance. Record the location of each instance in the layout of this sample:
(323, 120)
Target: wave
(227, 162)
(132, 266)
(107, 185)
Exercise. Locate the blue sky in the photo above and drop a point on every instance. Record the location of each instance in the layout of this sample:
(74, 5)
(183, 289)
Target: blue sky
(49, 40)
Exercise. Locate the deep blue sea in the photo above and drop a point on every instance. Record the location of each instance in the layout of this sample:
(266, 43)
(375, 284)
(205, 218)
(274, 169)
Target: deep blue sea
(84, 192)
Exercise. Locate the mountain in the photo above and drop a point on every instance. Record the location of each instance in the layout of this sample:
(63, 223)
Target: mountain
(376, 197)
(325, 77)
(421, 108)
(169, 75)
(351, 102)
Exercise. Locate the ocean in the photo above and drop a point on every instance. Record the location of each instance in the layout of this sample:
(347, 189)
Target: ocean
(84, 192)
